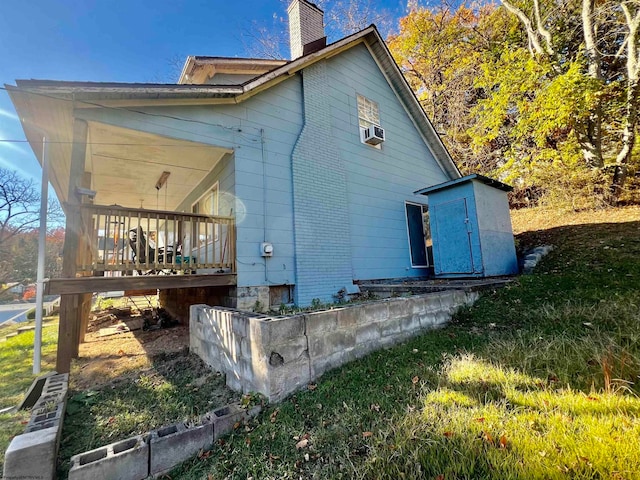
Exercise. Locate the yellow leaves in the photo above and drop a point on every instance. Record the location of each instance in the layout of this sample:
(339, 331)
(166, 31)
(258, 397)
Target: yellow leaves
(274, 415)
(304, 443)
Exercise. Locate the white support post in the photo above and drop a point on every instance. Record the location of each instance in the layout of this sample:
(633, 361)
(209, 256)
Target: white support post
(42, 236)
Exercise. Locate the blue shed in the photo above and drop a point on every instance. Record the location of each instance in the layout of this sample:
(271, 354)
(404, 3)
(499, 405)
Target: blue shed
(471, 228)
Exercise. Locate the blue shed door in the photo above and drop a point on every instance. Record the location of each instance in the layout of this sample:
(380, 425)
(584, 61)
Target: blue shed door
(452, 237)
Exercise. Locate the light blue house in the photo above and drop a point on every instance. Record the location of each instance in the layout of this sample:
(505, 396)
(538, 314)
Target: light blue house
(274, 181)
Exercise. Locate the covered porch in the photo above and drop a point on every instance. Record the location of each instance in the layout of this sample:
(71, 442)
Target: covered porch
(139, 206)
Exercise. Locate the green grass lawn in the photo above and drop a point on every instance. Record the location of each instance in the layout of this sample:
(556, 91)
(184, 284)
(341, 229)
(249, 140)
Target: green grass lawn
(16, 364)
(537, 380)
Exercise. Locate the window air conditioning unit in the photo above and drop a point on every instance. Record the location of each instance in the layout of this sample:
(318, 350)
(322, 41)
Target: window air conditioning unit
(374, 135)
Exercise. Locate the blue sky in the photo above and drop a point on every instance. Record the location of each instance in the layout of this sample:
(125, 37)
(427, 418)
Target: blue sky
(118, 41)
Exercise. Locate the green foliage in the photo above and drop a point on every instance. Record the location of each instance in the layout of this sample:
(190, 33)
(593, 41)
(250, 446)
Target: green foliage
(31, 314)
(527, 119)
(102, 303)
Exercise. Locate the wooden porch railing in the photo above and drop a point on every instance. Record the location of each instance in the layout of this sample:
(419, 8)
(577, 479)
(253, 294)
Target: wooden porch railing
(129, 240)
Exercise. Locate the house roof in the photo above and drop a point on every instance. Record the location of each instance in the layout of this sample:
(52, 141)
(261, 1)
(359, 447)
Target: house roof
(458, 181)
(198, 68)
(133, 94)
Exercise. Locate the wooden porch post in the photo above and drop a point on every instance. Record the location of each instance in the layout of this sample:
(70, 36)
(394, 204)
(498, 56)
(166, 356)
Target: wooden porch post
(70, 305)
(84, 254)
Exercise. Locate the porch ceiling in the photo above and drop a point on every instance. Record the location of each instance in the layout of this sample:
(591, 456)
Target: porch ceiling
(125, 166)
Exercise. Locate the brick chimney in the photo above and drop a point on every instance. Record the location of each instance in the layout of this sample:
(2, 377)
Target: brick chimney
(306, 28)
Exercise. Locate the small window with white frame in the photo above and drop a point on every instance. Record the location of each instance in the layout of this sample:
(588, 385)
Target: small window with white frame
(368, 115)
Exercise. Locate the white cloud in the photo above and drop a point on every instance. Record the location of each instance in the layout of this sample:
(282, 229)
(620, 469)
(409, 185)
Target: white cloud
(8, 114)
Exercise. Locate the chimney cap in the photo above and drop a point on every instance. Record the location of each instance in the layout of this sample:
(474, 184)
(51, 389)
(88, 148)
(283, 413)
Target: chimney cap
(313, 5)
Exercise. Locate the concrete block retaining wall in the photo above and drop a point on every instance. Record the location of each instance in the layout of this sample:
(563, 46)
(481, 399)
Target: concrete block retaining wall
(276, 356)
(33, 454)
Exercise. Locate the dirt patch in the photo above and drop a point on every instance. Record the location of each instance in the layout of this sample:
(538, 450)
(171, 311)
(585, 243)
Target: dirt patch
(105, 358)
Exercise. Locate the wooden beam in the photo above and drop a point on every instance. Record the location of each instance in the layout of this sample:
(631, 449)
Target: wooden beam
(84, 315)
(71, 286)
(68, 328)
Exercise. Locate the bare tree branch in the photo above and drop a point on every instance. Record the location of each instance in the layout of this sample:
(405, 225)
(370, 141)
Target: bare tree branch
(534, 41)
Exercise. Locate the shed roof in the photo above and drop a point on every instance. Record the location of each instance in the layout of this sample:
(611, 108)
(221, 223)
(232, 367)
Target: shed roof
(475, 176)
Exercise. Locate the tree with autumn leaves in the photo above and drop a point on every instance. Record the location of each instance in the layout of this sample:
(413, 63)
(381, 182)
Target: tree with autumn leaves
(19, 219)
(540, 94)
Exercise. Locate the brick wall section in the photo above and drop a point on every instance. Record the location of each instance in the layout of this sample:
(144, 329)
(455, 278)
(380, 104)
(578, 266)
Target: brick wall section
(305, 26)
(279, 355)
(322, 236)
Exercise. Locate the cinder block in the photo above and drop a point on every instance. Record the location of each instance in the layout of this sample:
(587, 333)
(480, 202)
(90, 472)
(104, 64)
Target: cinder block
(323, 364)
(419, 304)
(329, 343)
(411, 323)
(459, 297)
(289, 349)
(393, 326)
(54, 388)
(172, 445)
(58, 378)
(365, 348)
(472, 297)
(194, 314)
(279, 329)
(400, 307)
(427, 320)
(45, 417)
(376, 312)
(233, 381)
(240, 324)
(321, 322)
(34, 392)
(124, 460)
(224, 419)
(447, 302)
(367, 333)
(32, 455)
(50, 398)
(287, 378)
(349, 317)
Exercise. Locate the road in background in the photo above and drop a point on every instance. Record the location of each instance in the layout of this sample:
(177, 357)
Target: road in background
(17, 312)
